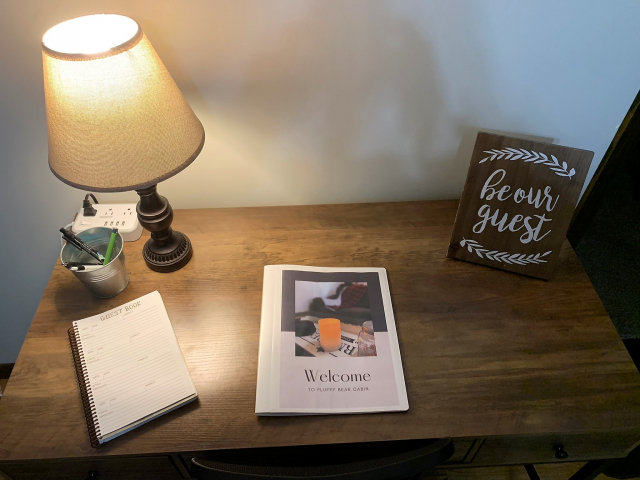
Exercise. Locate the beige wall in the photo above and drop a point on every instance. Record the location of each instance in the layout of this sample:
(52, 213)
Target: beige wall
(321, 101)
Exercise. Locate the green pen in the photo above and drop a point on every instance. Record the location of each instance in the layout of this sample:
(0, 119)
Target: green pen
(112, 242)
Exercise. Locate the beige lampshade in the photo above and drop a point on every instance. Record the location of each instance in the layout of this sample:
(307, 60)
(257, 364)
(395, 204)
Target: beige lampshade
(115, 117)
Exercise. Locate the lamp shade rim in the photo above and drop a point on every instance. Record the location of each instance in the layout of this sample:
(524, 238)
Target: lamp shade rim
(128, 188)
(123, 46)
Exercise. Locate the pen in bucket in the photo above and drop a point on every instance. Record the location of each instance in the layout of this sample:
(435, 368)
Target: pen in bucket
(80, 264)
(80, 247)
(79, 267)
(112, 242)
(73, 239)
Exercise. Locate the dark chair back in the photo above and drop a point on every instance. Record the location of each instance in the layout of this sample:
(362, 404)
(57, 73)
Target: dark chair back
(353, 461)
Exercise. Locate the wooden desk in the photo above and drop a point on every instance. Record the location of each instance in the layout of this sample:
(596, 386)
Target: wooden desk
(507, 365)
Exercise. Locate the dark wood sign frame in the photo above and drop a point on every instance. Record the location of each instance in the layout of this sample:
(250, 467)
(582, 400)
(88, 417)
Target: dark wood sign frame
(517, 204)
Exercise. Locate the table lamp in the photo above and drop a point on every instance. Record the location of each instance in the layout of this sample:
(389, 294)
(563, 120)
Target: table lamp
(117, 121)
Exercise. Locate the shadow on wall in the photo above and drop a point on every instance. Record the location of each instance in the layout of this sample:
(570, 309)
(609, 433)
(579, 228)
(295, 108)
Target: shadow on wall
(361, 104)
(330, 103)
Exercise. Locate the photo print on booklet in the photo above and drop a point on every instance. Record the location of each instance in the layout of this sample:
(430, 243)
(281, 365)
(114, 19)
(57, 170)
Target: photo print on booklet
(334, 315)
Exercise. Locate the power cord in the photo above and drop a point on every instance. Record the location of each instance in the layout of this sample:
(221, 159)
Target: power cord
(89, 211)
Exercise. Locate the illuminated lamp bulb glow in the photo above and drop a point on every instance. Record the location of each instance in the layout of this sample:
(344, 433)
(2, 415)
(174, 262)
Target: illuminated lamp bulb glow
(91, 35)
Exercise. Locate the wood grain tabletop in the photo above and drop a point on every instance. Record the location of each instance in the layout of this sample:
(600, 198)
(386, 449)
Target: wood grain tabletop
(485, 352)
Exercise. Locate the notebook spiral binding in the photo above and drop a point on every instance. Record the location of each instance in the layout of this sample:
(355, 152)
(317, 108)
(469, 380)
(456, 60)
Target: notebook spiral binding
(85, 391)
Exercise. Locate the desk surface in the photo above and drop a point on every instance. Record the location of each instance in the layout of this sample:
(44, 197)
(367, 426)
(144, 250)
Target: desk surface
(485, 352)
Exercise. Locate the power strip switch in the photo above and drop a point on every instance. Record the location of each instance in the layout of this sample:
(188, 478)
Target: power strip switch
(122, 216)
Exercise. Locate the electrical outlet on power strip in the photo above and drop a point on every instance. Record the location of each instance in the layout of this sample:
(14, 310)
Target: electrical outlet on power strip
(122, 216)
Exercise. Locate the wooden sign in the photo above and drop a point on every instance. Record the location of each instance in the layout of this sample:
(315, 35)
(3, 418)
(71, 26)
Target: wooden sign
(517, 204)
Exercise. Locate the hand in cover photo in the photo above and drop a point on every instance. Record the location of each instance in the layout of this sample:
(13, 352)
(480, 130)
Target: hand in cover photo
(333, 319)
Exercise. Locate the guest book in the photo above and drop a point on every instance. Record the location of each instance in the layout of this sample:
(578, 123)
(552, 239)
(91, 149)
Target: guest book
(129, 366)
(328, 343)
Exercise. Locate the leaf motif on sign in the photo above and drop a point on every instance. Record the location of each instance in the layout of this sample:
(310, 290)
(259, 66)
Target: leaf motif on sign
(530, 156)
(503, 257)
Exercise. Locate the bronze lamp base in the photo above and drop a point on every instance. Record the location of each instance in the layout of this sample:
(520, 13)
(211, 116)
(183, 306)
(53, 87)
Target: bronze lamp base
(166, 250)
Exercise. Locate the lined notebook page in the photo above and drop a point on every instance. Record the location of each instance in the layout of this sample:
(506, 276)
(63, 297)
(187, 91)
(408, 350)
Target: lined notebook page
(133, 363)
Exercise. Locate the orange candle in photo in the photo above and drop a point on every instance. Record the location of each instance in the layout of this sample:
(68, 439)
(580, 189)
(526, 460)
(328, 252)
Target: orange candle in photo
(329, 329)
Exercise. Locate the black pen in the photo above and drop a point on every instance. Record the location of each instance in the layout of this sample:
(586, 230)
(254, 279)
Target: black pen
(79, 266)
(87, 248)
(81, 248)
(78, 243)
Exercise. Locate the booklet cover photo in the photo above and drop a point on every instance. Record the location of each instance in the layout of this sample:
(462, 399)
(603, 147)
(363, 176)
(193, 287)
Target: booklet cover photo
(328, 343)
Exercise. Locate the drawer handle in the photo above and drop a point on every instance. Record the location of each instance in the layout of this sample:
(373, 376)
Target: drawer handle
(561, 453)
(92, 475)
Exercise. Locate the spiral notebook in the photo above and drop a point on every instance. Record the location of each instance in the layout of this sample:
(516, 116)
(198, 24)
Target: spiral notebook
(129, 366)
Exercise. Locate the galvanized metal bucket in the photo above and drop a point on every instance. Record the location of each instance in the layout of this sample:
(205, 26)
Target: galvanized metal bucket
(106, 281)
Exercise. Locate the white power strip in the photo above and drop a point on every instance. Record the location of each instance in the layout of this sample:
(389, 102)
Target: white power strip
(122, 216)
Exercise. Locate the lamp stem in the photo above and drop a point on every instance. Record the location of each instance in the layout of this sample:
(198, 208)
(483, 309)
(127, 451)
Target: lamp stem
(167, 250)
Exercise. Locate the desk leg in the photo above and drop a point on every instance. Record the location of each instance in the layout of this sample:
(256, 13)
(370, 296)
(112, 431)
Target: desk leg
(531, 471)
(592, 469)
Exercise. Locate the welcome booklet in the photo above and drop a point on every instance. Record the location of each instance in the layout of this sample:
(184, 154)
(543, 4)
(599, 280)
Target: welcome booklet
(328, 343)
